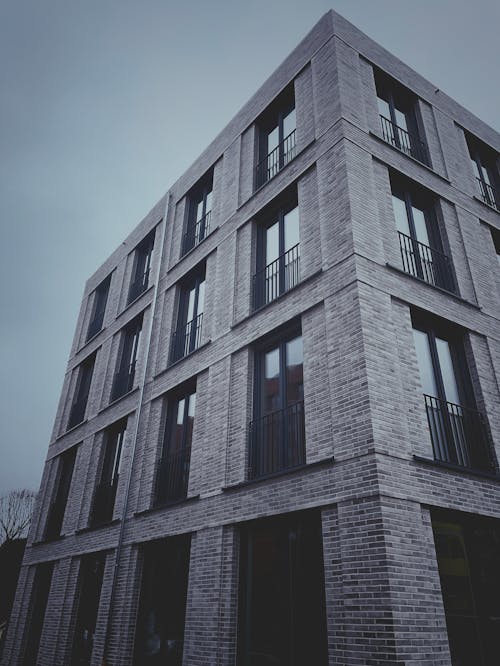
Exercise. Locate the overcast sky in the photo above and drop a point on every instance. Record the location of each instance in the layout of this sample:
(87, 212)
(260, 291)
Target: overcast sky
(103, 105)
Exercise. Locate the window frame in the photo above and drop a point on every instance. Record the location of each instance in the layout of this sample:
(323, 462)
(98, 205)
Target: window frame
(187, 336)
(125, 374)
(60, 493)
(141, 268)
(100, 301)
(79, 403)
(104, 498)
(199, 194)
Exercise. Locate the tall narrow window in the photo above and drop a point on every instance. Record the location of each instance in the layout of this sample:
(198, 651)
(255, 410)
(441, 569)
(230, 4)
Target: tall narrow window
(173, 468)
(81, 396)
(282, 603)
(162, 609)
(457, 429)
(141, 267)
(484, 165)
(398, 118)
(57, 507)
(277, 137)
(199, 213)
(277, 434)
(187, 337)
(36, 616)
(495, 235)
(98, 308)
(89, 594)
(105, 493)
(419, 239)
(123, 381)
(278, 255)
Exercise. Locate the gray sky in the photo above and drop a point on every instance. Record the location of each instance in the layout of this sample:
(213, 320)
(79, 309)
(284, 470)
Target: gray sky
(104, 103)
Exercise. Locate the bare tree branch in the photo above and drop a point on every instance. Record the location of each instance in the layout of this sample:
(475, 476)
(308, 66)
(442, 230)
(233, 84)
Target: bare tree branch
(16, 509)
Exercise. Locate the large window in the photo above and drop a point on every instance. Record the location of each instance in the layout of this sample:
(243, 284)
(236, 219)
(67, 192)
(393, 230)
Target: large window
(36, 614)
(162, 609)
(142, 267)
(277, 137)
(495, 236)
(419, 239)
(282, 605)
(123, 380)
(89, 594)
(100, 298)
(457, 429)
(468, 553)
(277, 434)
(398, 117)
(278, 254)
(199, 213)
(173, 467)
(105, 493)
(57, 508)
(187, 337)
(82, 390)
(484, 165)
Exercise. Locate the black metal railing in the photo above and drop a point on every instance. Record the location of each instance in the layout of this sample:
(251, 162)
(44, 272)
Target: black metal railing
(55, 518)
(196, 232)
(172, 476)
(489, 194)
(123, 381)
(400, 138)
(459, 435)
(186, 339)
(138, 286)
(424, 262)
(104, 502)
(276, 159)
(77, 411)
(276, 278)
(277, 441)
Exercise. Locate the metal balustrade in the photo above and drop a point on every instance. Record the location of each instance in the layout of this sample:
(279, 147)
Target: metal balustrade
(276, 278)
(276, 159)
(104, 502)
(196, 232)
(489, 194)
(186, 339)
(459, 435)
(400, 138)
(277, 441)
(424, 262)
(172, 476)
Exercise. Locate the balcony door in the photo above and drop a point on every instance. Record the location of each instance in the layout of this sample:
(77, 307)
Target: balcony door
(187, 336)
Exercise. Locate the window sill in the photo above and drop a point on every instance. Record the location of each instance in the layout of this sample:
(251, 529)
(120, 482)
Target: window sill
(283, 472)
(90, 340)
(396, 269)
(167, 505)
(172, 365)
(485, 203)
(191, 250)
(470, 471)
(93, 528)
(413, 159)
(70, 430)
(136, 299)
(117, 400)
(43, 542)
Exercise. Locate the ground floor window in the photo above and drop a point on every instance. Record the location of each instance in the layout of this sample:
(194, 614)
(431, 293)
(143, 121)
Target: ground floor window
(89, 595)
(468, 553)
(282, 604)
(36, 617)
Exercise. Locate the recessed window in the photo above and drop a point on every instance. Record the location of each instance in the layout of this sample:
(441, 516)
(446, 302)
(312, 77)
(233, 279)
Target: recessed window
(495, 235)
(100, 298)
(123, 381)
(89, 594)
(278, 254)
(199, 213)
(57, 508)
(142, 267)
(173, 468)
(397, 108)
(105, 493)
(277, 433)
(277, 137)
(81, 395)
(36, 616)
(484, 163)
(187, 336)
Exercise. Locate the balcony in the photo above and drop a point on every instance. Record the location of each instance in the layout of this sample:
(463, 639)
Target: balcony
(276, 278)
(489, 194)
(277, 441)
(138, 286)
(404, 141)
(425, 263)
(104, 502)
(172, 477)
(196, 233)
(123, 381)
(186, 339)
(276, 160)
(458, 435)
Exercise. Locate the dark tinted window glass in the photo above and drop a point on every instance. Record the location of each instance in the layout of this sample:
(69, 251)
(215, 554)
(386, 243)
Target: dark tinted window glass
(90, 582)
(38, 605)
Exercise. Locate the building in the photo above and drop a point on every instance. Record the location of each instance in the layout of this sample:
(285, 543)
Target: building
(277, 441)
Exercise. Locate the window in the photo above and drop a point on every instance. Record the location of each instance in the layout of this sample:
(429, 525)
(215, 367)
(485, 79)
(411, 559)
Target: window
(277, 435)
(419, 238)
(282, 604)
(89, 594)
(495, 235)
(36, 616)
(398, 117)
(162, 608)
(84, 379)
(278, 255)
(187, 337)
(468, 555)
(199, 213)
(123, 381)
(277, 137)
(173, 468)
(484, 164)
(141, 267)
(57, 507)
(457, 429)
(104, 497)
(98, 308)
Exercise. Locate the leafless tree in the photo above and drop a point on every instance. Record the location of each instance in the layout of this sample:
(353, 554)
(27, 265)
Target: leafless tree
(16, 509)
